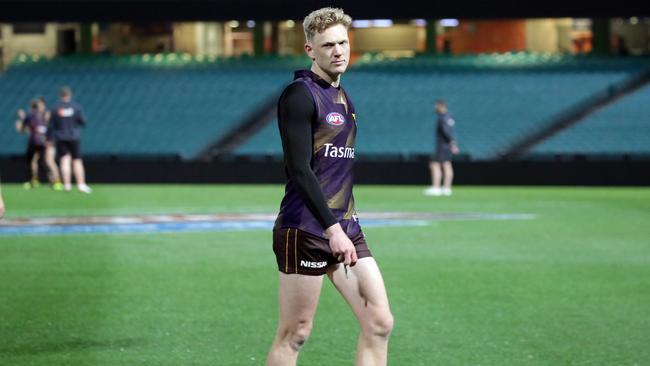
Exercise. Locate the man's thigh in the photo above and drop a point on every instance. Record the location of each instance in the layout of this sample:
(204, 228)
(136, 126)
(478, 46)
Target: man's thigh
(62, 148)
(447, 166)
(75, 149)
(443, 155)
(298, 297)
(363, 287)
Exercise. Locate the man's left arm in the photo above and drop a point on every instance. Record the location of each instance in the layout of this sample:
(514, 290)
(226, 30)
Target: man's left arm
(448, 133)
(81, 116)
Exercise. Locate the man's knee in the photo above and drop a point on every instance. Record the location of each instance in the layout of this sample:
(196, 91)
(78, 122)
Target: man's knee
(296, 335)
(381, 324)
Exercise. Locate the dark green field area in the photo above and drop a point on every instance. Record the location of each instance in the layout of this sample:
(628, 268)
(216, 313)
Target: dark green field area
(570, 286)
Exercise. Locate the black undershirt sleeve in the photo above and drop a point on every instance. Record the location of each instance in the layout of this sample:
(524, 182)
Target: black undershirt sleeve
(295, 111)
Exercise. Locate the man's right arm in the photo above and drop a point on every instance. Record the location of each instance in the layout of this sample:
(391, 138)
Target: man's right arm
(295, 110)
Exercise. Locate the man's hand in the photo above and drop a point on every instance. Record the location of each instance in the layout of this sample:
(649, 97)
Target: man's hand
(21, 114)
(454, 148)
(342, 247)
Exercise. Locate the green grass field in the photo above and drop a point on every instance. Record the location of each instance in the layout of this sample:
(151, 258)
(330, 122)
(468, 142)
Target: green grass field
(570, 287)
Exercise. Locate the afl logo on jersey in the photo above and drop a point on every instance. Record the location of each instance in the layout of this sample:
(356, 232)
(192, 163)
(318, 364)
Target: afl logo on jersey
(335, 119)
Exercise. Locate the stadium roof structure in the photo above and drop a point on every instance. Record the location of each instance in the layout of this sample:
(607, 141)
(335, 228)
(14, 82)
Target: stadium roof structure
(169, 10)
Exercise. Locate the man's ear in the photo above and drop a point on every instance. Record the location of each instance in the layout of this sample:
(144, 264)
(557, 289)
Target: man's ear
(310, 51)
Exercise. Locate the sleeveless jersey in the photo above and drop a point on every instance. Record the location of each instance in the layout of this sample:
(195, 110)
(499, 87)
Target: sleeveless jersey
(333, 132)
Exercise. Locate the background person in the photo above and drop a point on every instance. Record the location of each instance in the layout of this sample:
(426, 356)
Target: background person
(34, 123)
(66, 122)
(50, 154)
(446, 146)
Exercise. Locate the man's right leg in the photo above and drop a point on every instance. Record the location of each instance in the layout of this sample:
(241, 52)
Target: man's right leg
(298, 300)
(436, 179)
(32, 156)
(66, 162)
(50, 161)
(436, 174)
(33, 165)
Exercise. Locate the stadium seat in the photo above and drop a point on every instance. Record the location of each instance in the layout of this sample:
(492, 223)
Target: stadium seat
(166, 104)
(620, 128)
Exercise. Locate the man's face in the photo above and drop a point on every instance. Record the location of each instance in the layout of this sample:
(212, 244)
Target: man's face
(330, 50)
(441, 108)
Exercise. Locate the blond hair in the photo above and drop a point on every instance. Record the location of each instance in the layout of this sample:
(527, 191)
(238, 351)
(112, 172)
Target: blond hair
(321, 19)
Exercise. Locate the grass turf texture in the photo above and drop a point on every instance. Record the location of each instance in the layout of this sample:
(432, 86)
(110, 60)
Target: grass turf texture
(571, 287)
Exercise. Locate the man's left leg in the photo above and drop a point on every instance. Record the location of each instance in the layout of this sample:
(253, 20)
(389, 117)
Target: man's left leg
(449, 178)
(364, 291)
(34, 181)
(79, 171)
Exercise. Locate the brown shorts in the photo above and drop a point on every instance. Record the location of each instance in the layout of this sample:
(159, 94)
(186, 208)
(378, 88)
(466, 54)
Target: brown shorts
(300, 252)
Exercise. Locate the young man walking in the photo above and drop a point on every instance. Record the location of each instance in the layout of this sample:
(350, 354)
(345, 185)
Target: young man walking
(317, 231)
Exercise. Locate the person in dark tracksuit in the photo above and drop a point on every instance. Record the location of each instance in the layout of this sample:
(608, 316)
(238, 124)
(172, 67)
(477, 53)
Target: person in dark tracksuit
(446, 146)
(65, 127)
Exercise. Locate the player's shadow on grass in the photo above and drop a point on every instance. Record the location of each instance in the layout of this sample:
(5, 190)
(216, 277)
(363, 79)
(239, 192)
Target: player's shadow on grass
(70, 345)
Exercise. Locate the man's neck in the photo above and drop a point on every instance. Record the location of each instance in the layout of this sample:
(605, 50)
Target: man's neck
(333, 80)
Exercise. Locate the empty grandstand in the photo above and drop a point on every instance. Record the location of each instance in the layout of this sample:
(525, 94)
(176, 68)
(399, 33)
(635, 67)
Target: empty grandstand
(178, 105)
(147, 105)
(182, 107)
(622, 128)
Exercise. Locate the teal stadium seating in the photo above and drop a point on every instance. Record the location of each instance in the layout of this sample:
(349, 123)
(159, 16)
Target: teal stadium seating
(167, 104)
(621, 128)
(495, 99)
(176, 105)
